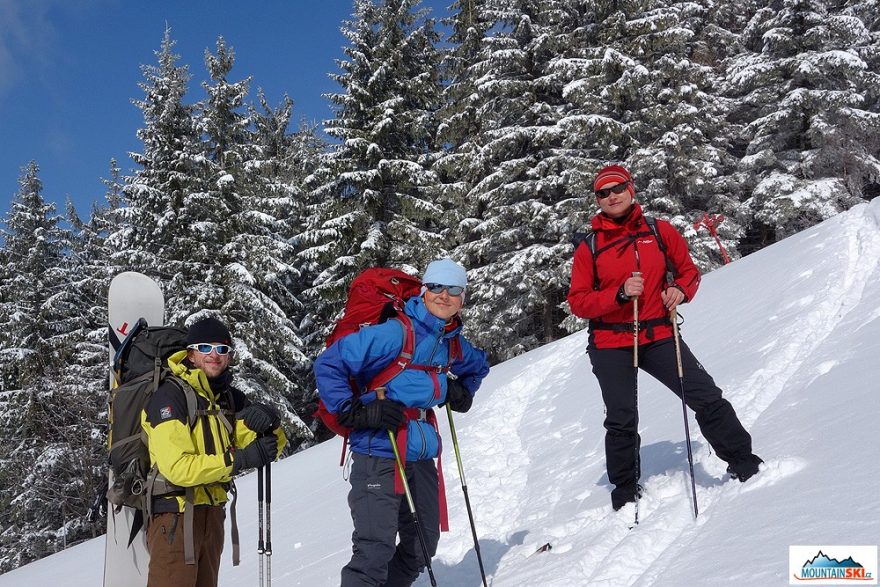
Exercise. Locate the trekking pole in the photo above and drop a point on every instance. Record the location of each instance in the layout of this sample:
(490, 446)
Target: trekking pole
(467, 500)
(269, 524)
(636, 327)
(687, 433)
(636, 388)
(260, 545)
(380, 394)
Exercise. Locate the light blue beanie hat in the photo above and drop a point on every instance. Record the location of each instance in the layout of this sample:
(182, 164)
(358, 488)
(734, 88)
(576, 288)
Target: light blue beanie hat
(445, 272)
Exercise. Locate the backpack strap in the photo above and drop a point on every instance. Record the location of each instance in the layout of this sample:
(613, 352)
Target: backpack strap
(404, 358)
(589, 239)
(671, 272)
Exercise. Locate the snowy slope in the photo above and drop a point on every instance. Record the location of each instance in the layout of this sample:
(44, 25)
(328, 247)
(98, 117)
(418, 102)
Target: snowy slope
(792, 334)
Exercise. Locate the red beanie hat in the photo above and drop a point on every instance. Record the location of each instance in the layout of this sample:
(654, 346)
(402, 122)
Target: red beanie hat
(613, 175)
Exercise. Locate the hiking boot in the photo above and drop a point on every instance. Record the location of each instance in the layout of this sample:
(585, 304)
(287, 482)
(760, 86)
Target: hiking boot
(745, 469)
(624, 494)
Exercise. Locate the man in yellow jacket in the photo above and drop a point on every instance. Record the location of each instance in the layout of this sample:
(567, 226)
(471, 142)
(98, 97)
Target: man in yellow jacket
(194, 461)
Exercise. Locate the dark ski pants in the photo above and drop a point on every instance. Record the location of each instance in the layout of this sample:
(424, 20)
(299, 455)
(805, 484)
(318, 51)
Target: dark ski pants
(379, 515)
(617, 378)
(168, 567)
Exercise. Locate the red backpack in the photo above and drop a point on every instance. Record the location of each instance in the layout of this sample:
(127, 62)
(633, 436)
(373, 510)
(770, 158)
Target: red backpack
(375, 295)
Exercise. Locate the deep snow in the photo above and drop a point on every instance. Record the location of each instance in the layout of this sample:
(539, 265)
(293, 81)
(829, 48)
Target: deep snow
(792, 335)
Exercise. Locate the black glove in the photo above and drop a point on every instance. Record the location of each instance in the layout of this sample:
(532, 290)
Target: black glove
(256, 454)
(260, 418)
(381, 413)
(457, 396)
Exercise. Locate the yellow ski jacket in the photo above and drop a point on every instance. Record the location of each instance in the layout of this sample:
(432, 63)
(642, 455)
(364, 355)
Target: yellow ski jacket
(195, 454)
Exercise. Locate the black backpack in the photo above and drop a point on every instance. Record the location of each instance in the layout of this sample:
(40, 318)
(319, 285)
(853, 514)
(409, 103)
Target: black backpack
(139, 368)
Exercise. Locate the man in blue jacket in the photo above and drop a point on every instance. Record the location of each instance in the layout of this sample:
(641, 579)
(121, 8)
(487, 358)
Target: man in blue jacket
(378, 511)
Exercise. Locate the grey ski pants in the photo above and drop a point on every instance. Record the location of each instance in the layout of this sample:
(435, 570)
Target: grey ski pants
(379, 515)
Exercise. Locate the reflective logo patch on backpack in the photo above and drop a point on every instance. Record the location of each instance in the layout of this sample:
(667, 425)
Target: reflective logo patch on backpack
(166, 413)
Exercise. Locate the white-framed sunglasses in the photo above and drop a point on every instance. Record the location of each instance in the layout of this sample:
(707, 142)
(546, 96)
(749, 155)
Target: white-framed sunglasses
(206, 348)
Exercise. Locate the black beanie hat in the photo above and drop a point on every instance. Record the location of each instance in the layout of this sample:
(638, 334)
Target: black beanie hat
(208, 330)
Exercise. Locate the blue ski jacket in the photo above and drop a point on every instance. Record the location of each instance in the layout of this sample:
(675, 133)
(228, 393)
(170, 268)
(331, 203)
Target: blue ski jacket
(360, 356)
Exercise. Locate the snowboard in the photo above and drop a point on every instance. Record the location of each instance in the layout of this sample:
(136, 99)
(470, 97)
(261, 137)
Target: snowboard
(132, 296)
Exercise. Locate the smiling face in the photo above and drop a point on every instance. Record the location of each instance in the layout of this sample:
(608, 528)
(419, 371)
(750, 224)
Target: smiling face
(443, 305)
(211, 364)
(616, 205)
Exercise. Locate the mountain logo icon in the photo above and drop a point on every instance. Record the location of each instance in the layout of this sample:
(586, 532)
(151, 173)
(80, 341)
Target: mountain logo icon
(836, 569)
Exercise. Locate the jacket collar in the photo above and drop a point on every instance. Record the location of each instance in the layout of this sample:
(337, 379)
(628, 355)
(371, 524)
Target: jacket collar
(180, 367)
(415, 308)
(601, 222)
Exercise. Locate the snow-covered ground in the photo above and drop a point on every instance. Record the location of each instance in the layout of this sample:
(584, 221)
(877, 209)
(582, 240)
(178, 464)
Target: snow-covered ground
(792, 334)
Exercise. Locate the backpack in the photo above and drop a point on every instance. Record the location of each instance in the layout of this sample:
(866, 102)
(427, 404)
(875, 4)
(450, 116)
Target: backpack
(375, 295)
(138, 371)
(589, 239)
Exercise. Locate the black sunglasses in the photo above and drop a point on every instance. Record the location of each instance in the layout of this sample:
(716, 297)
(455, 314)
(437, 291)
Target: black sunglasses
(435, 288)
(615, 189)
(205, 348)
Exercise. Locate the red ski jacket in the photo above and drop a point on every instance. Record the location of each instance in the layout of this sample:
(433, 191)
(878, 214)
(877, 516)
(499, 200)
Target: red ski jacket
(631, 246)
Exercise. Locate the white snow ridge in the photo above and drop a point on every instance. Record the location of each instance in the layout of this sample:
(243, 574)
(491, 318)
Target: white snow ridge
(791, 333)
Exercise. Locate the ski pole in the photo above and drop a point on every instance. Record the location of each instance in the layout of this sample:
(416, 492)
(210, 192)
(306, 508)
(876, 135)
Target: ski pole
(467, 500)
(636, 327)
(673, 314)
(636, 387)
(269, 524)
(260, 545)
(380, 394)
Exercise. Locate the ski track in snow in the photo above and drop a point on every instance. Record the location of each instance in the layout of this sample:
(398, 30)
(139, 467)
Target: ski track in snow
(846, 279)
(619, 555)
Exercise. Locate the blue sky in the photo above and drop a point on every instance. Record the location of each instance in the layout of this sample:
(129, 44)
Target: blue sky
(70, 68)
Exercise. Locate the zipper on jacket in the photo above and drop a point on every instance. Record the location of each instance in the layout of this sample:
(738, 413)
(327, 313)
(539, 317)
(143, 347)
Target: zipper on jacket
(436, 346)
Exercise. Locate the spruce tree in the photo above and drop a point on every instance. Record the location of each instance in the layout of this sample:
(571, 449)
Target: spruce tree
(811, 101)
(371, 201)
(518, 170)
(40, 318)
(237, 245)
(151, 236)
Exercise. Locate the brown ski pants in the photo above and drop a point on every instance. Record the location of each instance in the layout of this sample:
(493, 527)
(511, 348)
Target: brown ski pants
(165, 542)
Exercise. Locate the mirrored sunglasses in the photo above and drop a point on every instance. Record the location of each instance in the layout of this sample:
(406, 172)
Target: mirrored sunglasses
(615, 189)
(435, 288)
(205, 348)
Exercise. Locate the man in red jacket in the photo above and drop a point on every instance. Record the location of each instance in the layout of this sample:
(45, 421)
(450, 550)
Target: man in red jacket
(630, 263)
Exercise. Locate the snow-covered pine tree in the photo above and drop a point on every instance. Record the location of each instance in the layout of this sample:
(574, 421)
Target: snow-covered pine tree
(517, 169)
(150, 236)
(235, 266)
(284, 161)
(371, 194)
(811, 100)
(40, 318)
